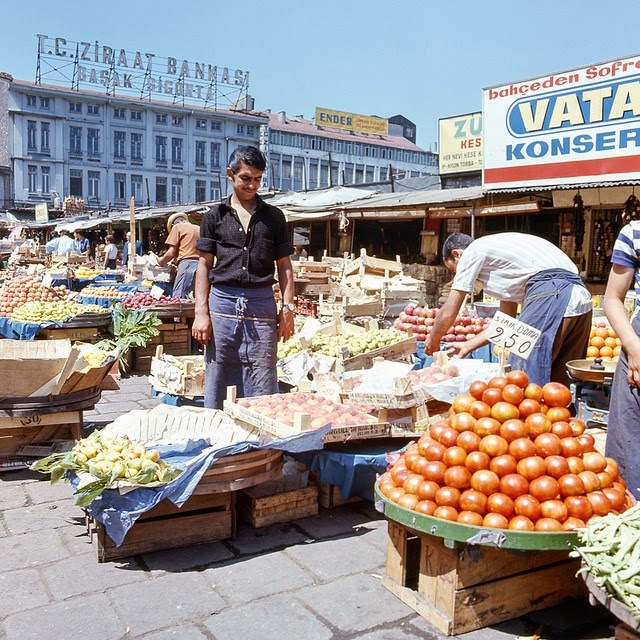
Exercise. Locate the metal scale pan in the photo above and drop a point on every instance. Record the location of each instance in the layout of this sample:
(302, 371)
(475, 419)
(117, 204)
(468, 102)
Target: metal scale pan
(591, 384)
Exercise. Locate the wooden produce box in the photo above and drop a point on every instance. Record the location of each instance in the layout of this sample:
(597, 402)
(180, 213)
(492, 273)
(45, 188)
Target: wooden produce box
(263, 510)
(329, 495)
(401, 350)
(177, 375)
(175, 338)
(203, 518)
(80, 334)
(348, 307)
(464, 587)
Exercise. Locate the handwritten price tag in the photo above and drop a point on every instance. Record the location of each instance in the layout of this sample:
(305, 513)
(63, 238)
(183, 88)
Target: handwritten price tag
(156, 292)
(519, 338)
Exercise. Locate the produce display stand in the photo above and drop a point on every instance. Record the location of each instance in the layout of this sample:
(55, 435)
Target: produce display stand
(461, 578)
(208, 515)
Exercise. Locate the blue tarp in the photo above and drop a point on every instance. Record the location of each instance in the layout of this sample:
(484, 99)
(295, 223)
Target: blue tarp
(118, 512)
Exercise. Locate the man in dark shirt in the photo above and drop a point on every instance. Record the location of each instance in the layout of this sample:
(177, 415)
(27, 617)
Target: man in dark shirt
(243, 241)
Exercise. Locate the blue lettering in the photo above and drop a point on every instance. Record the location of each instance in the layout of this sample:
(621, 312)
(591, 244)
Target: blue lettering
(583, 143)
(514, 152)
(629, 136)
(605, 141)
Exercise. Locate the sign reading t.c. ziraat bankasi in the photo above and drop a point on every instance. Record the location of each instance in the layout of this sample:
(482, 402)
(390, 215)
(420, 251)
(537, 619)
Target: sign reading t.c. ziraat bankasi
(564, 128)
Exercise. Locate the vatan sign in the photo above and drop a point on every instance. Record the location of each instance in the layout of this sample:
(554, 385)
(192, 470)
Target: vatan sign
(563, 128)
(351, 121)
(97, 66)
(515, 336)
(460, 143)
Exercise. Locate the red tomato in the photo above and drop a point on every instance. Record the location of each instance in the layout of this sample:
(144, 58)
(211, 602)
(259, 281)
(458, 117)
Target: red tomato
(434, 451)
(495, 521)
(514, 485)
(548, 524)
(556, 394)
(471, 518)
(522, 448)
(503, 410)
(557, 466)
(547, 444)
(427, 490)
(528, 406)
(575, 464)
(436, 428)
(504, 464)
(558, 414)
(477, 460)
(590, 480)
(587, 442)
(513, 393)
(612, 468)
(500, 503)
(600, 504)
(469, 441)
(458, 476)
(462, 421)
(513, 428)
(571, 484)
(561, 428)
(472, 500)
(531, 467)
(570, 447)
(571, 524)
(521, 523)
(497, 382)
(412, 483)
(479, 409)
(448, 436)
(447, 496)
(462, 402)
(527, 505)
(395, 494)
(577, 426)
(486, 426)
(518, 377)
(446, 512)
(533, 390)
(616, 498)
(494, 445)
(594, 461)
(544, 488)
(538, 423)
(485, 481)
(435, 471)
(425, 506)
(455, 455)
(491, 395)
(476, 388)
(408, 500)
(579, 507)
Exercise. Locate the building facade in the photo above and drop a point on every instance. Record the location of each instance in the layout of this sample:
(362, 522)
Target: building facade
(304, 155)
(104, 149)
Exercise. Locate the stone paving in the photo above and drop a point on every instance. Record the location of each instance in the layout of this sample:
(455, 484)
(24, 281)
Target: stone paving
(313, 579)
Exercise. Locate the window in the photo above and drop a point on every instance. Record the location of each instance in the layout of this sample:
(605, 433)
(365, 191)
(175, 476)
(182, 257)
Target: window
(119, 186)
(136, 116)
(93, 179)
(161, 149)
(177, 121)
(45, 174)
(201, 124)
(176, 189)
(215, 155)
(119, 113)
(75, 140)
(161, 190)
(32, 132)
(31, 101)
(93, 109)
(201, 152)
(45, 135)
(75, 107)
(75, 182)
(216, 125)
(119, 141)
(93, 142)
(32, 173)
(240, 129)
(44, 103)
(201, 190)
(136, 187)
(161, 118)
(136, 147)
(251, 130)
(176, 150)
(214, 191)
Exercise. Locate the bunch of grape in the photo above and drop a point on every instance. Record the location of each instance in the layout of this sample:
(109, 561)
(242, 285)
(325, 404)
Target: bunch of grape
(142, 299)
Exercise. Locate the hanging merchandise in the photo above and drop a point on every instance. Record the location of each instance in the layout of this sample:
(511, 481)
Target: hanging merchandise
(631, 209)
(578, 220)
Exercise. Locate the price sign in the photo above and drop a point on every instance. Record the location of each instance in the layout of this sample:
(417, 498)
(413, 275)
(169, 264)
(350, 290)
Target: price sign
(47, 280)
(519, 338)
(156, 292)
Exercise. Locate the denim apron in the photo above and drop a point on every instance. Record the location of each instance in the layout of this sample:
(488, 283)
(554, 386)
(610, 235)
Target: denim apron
(623, 423)
(546, 299)
(243, 349)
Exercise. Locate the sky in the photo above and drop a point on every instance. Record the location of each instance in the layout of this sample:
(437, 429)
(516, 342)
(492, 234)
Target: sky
(424, 59)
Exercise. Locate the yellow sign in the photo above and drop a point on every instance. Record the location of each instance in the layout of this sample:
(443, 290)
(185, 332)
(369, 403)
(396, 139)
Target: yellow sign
(42, 212)
(460, 143)
(351, 121)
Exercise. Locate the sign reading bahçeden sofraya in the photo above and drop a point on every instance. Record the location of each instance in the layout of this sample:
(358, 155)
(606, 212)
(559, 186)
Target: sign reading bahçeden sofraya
(563, 128)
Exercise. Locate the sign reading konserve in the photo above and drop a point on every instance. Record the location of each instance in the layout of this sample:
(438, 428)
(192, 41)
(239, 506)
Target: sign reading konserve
(564, 128)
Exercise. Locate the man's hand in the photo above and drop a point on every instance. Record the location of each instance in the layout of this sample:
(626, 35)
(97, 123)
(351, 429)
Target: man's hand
(286, 325)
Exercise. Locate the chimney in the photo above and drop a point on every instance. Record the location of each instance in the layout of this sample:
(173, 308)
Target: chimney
(282, 117)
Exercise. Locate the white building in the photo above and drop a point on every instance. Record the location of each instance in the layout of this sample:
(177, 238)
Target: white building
(304, 155)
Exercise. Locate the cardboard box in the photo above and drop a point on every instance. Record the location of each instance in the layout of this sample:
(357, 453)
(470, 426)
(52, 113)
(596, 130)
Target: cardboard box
(25, 366)
(177, 375)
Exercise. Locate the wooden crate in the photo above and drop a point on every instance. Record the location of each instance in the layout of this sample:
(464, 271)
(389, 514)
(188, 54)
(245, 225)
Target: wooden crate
(201, 519)
(460, 588)
(175, 338)
(19, 431)
(263, 510)
(329, 495)
(79, 334)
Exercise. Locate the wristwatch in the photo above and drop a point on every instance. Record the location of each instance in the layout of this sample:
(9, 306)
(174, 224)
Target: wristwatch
(289, 305)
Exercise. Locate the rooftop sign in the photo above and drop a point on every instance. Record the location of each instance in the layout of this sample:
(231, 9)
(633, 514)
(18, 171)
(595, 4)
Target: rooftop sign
(351, 121)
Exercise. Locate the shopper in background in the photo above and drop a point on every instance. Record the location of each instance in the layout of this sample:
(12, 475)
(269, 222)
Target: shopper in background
(81, 244)
(243, 241)
(299, 253)
(65, 244)
(182, 239)
(622, 443)
(110, 253)
(127, 248)
(519, 269)
(52, 244)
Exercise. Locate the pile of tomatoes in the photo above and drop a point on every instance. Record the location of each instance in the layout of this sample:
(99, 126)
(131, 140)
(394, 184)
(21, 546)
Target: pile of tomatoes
(510, 456)
(603, 342)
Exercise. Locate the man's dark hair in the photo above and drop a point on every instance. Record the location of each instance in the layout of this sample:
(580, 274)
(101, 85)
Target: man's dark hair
(249, 155)
(455, 241)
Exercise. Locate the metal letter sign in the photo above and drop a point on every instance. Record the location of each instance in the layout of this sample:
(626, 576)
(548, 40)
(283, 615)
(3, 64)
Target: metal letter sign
(519, 338)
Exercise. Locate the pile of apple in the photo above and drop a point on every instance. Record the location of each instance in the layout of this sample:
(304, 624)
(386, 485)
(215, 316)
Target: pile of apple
(25, 288)
(108, 291)
(144, 299)
(419, 321)
(509, 456)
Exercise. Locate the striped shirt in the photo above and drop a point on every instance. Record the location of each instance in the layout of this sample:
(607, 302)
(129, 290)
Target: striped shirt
(626, 252)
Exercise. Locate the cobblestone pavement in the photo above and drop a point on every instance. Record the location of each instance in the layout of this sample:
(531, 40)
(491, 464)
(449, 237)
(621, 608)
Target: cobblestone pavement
(314, 579)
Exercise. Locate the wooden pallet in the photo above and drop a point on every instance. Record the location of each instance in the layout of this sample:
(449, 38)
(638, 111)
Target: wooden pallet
(175, 338)
(201, 519)
(262, 511)
(461, 587)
